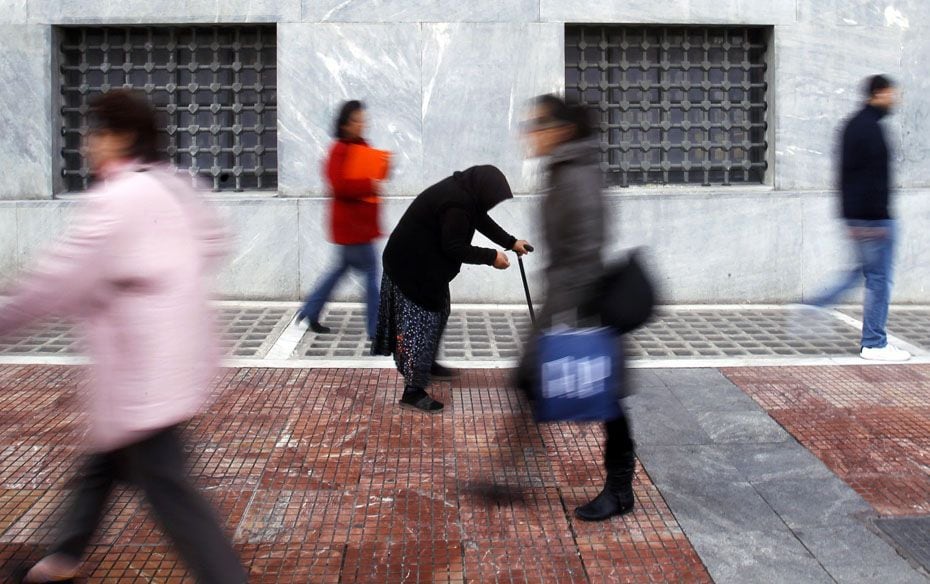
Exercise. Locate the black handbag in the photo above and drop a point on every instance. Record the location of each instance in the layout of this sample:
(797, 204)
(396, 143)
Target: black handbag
(626, 297)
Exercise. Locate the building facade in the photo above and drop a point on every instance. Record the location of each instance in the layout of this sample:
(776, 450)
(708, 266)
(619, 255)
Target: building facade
(718, 120)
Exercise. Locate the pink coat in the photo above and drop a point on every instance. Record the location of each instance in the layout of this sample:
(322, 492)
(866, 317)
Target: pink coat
(133, 268)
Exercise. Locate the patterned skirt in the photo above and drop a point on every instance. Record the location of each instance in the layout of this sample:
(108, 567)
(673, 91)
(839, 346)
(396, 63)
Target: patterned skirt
(409, 332)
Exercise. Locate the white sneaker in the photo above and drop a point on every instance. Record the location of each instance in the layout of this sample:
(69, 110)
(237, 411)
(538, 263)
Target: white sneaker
(886, 353)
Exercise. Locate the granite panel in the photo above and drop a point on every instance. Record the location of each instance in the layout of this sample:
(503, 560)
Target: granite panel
(902, 14)
(8, 236)
(851, 553)
(817, 86)
(682, 12)
(913, 113)
(719, 247)
(38, 225)
(263, 263)
(163, 12)
(14, 11)
(320, 66)
(25, 105)
(477, 79)
(814, 502)
(420, 11)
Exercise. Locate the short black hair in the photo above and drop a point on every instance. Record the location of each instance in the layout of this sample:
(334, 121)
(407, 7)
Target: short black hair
(125, 111)
(571, 113)
(877, 83)
(345, 114)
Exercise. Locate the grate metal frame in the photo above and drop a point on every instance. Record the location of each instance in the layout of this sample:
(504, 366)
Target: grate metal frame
(215, 86)
(675, 105)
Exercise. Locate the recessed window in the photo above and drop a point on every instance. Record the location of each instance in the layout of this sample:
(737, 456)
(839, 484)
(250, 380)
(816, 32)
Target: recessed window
(215, 86)
(676, 105)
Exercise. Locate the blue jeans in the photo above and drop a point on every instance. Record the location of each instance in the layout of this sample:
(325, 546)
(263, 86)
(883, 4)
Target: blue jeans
(360, 257)
(874, 244)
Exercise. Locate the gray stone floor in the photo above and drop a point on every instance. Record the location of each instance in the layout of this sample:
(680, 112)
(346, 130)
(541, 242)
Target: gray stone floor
(757, 506)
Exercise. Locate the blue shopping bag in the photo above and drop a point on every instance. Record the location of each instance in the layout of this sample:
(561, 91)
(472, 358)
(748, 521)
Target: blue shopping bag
(579, 375)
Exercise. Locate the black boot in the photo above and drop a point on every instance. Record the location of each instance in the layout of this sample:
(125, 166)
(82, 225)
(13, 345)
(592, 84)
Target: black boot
(416, 398)
(616, 498)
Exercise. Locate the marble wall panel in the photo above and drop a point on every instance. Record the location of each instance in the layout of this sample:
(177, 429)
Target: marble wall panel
(873, 13)
(477, 79)
(679, 12)
(263, 264)
(320, 65)
(25, 106)
(163, 11)
(420, 11)
(38, 225)
(818, 75)
(8, 235)
(913, 114)
(13, 11)
(721, 247)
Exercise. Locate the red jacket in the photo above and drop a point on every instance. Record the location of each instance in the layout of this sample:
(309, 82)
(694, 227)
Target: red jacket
(354, 213)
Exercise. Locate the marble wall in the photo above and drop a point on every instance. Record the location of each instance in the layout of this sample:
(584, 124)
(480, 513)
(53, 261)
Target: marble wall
(445, 82)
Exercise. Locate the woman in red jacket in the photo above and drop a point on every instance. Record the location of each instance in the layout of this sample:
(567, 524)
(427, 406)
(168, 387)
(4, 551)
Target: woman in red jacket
(353, 223)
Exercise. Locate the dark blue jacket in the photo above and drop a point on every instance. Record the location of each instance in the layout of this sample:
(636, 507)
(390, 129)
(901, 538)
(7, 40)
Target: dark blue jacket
(865, 177)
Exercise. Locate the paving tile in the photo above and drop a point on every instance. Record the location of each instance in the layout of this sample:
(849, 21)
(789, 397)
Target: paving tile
(658, 418)
(319, 477)
(681, 465)
(868, 424)
(715, 398)
(721, 507)
(759, 463)
(760, 557)
(853, 554)
(815, 502)
(751, 427)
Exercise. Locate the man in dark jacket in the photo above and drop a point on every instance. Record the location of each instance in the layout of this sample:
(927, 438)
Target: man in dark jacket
(865, 185)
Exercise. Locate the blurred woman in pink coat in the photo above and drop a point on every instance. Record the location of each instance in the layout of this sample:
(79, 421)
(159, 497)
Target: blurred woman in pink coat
(133, 269)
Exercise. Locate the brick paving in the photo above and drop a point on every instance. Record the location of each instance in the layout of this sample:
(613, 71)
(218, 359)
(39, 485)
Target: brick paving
(869, 424)
(321, 478)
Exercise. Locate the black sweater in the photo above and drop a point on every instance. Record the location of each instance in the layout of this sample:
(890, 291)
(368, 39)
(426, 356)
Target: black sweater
(865, 177)
(433, 239)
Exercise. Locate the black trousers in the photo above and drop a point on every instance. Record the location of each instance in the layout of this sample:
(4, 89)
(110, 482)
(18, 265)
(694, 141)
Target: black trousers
(156, 466)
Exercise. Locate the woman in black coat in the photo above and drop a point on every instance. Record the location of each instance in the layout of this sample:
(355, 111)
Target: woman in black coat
(426, 252)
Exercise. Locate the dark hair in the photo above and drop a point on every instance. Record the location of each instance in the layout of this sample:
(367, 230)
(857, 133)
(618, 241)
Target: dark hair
(124, 111)
(345, 114)
(567, 112)
(877, 83)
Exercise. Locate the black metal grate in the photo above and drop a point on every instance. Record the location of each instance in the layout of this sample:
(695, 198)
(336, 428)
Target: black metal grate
(216, 87)
(676, 105)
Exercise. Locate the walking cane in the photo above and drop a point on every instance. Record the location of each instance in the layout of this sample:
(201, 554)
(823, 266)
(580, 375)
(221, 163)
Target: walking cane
(526, 286)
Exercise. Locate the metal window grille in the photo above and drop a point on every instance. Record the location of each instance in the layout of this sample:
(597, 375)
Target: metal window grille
(679, 105)
(215, 86)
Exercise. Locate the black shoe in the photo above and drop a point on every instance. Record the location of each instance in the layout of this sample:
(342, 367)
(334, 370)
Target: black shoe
(319, 329)
(421, 401)
(615, 499)
(438, 370)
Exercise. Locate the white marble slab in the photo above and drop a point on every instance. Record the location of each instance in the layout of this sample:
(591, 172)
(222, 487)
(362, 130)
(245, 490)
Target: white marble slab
(263, 265)
(420, 10)
(477, 79)
(677, 12)
(163, 11)
(320, 66)
(816, 87)
(13, 11)
(25, 103)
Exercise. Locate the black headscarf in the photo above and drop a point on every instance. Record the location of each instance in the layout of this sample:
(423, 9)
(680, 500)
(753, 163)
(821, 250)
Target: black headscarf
(487, 184)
